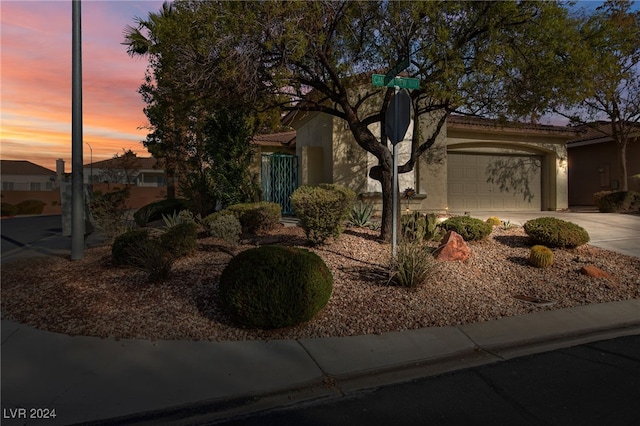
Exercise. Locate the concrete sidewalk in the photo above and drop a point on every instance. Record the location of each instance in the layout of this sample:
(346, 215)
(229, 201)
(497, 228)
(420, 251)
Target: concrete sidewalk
(87, 379)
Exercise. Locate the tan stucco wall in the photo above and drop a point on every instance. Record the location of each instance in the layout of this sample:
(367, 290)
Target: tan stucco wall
(314, 150)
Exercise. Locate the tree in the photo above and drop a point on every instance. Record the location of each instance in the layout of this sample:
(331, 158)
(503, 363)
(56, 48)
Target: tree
(480, 58)
(612, 35)
(122, 168)
(229, 150)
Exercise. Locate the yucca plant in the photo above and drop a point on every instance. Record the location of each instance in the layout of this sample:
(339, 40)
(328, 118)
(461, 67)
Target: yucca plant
(413, 264)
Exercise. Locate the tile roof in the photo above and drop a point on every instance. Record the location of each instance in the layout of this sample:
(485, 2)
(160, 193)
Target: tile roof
(461, 122)
(276, 139)
(595, 130)
(146, 163)
(21, 167)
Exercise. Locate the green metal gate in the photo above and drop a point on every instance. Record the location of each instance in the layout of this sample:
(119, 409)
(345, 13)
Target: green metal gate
(278, 179)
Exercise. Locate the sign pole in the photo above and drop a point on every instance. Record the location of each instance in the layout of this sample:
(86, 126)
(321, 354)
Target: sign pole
(394, 222)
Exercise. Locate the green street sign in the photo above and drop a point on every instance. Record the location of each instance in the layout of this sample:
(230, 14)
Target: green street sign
(402, 82)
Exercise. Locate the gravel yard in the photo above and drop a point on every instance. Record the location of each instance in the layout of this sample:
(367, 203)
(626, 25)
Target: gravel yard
(92, 298)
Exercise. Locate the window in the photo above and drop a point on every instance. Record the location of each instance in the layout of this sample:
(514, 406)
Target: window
(34, 186)
(7, 186)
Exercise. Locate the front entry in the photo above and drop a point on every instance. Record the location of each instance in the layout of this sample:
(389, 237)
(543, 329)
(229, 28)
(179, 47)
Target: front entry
(278, 179)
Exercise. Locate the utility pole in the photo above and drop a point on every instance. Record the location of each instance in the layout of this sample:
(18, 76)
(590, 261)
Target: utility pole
(77, 178)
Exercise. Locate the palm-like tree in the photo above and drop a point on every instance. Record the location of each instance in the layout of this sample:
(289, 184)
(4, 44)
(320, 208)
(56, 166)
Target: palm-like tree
(139, 44)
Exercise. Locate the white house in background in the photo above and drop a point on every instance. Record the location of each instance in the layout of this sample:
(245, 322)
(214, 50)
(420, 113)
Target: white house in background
(17, 175)
(147, 172)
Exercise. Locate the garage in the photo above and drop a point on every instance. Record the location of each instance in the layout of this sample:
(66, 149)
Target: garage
(486, 182)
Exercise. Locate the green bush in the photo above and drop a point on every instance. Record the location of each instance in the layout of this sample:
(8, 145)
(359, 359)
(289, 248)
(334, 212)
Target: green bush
(322, 210)
(9, 209)
(618, 202)
(30, 207)
(224, 226)
(413, 265)
(256, 218)
(124, 244)
(469, 228)
(553, 232)
(275, 286)
(181, 239)
(414, 226)
(154, 211)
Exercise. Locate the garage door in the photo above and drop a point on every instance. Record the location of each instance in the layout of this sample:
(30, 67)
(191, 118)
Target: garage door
(493, 182)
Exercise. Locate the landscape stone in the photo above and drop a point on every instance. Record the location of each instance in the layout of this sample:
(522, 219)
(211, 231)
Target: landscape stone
(594, 271)
(453, 247)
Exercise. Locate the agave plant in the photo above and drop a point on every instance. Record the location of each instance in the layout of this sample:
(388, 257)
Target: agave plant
(361, 214)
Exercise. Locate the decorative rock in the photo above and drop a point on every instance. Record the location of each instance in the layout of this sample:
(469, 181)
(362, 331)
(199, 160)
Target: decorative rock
(593, 271)
(453, 247)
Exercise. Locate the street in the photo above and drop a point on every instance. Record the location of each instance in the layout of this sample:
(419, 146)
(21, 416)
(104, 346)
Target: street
(591, 384)
(33, 236)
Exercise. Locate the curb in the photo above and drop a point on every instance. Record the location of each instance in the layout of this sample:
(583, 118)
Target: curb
(392, 358)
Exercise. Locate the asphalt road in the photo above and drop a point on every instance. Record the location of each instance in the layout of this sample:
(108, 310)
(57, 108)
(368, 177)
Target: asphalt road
(592, 384)
(33, 236)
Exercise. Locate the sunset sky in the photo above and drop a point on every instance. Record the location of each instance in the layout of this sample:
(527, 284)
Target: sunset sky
(35, 72)
(36, 80)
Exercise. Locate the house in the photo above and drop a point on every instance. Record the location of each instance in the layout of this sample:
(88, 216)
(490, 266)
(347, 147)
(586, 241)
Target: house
(594, 165)
(26, 176)
(475, 164)
(139, 171)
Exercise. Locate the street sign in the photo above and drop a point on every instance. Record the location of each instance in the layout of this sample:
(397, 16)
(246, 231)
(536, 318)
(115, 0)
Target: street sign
(402, 82)
(398, 117)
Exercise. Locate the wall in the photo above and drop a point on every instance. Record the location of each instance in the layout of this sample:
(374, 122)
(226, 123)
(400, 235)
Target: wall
(314, 150)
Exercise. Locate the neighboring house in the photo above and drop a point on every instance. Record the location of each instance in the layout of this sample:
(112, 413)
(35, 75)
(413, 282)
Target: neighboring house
(594, 165)
(145, 172)
(26, 176)
(475, 164)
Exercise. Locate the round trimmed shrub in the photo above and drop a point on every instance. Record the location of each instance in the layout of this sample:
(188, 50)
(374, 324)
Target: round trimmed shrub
(181, 239)
(275, 286)
(224, 226)
(126, 244)
(31, 207)
(9, 209)
(554, 232)
(618, 202)
(540, 256)
(257, 218)
(469, 228)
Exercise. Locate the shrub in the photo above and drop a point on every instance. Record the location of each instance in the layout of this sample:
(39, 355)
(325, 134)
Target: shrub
(124, 245)
(540, 256)
(469, 228)
(9, 209)
(618, 202)
(275, 286)
(553, 232)
(30, 207)
(224, 226)
(414, 226)
(322, 210)
(257, 217)
(361, 214)
(413, 264)
(184, 216)
(153, 258)
(494, 221)
(181, 239)
(109, 212)
(154, 211)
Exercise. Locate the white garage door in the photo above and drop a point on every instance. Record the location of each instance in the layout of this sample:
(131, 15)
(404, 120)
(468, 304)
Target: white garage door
(474, 182)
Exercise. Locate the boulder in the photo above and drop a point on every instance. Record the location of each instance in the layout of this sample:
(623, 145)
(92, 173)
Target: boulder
(594, 271)
(453, 247)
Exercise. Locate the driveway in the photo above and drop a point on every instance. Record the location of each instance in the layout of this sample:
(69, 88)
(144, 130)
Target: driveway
(611, 231)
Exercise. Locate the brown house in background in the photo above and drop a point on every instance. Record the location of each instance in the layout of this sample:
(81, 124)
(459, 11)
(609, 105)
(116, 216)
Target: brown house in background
(594, 165)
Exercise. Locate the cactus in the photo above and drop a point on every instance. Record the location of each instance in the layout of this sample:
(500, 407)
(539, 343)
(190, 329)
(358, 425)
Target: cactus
(494, 221)
(541, 256)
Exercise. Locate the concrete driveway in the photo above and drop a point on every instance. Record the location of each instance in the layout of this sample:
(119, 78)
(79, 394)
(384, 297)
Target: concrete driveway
(611, 231)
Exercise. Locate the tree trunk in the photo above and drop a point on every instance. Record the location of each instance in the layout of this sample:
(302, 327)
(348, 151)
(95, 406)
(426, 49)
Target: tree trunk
(624, 184)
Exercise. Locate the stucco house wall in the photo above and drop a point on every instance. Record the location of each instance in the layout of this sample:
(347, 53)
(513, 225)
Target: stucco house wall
(542, 149)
